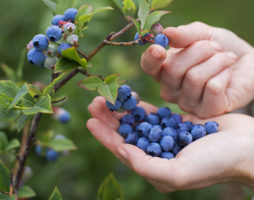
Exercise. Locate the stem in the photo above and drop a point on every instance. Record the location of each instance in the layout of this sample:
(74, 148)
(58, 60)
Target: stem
(122, 43)
(82, 54)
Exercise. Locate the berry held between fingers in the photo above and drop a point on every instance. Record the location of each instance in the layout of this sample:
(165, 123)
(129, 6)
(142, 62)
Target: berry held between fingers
(162, 40)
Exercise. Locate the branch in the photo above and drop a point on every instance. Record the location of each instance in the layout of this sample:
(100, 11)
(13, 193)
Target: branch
(132, 43)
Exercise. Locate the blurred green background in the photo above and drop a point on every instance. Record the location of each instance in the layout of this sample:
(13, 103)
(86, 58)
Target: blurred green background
(79, 174)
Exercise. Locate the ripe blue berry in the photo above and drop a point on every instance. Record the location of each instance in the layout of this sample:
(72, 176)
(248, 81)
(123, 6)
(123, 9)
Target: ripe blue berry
(144, 128)
(198, 131)
(170, 132)
(167, 143)
(177, 117)
(138, 113)
(132, 138)
(127, 119)
(38, 150)
(176, 149)
(63, 46)
(69, 28)
(141, 41)
(167, 155)
(162, 40)
(125, 129)
(40, 42)
(153, 119)
(36, 57)
(211, 127)
(164, 112)
(124, 92)
(130, 103)
(189, 125)
(168, 122)
(70, 14)
(184, 138)
(54, 33)
(181, 127)
(154, 149)
(113, 107)
(56, 19)
(51, 155)
(143, 143)
(155, 134)
(63, 116)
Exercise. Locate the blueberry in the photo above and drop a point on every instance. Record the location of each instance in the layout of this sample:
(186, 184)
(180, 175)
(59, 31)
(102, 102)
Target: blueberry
(142, 40)
(52, 50)
(143, 143)
(69, 28)
(167, 143)
(154, 149)
(63, 116)
(36, 57)
(189, 125)
(144, 128)
(170, 132)
(164, 112)
(124, 129)
(72, 39)
(38, 150)
(113, 107)
(168, 122)
(132, 138)
(211, 127)
(70, 14)
(138, 113)
(127, 119)
(124, 92)
(181, 127)
(198, 131)
(57, 19)
(176, 149)
(54, 33)
(130, 103)
(155, 134)
(40, 42)
(50, 62)
(177, 117)
(153, 119)
(59, 137)
(184, 138)
(162, 40)
(51, 155)
(167, 155)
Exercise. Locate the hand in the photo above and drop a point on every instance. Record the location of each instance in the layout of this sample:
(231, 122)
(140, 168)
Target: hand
(209, 70)
(225, 156)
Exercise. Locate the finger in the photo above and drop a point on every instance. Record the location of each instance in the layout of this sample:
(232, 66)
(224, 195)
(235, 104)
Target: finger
(176, 65)
(152, 59)
(197, 77)
(186, 35)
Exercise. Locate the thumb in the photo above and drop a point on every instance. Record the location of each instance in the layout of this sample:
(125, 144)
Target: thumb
(184, 36)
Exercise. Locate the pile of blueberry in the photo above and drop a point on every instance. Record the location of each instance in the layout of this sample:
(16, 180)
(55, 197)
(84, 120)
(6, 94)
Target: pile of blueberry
(162, 134)
(44, 50)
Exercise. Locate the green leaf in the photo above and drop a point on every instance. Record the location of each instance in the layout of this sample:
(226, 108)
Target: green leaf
(82, 10)
(137, 24)
(6, 114)
(129, 8)
(110, 189)
(66, 65)
(20, 94)
(143, 12)
(119, 3)
(91, 83)
(9, 72)
(62, 144)
(56, 195)
(50, 4)
(21, 64)
(3, 141)
(63, 5)
(43, 105)
(8, 89)
(102, 9)
(109, 91)
(26, 192)
(7, 197)
(12, 145)
(160, 4)
(4, 177)
(112, 78)
(22, 121)
(51, 86)
(153, 18)
(72, 54)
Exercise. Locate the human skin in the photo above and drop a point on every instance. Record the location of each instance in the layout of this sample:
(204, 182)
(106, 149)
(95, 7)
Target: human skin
(207, 71)
(227, 156)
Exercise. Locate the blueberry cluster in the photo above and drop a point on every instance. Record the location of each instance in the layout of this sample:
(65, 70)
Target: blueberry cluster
(159, 39)
(162, 134)
(44, 50)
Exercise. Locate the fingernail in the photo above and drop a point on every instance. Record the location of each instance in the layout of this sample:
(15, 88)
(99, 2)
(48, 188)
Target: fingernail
(156, 54)
(123, 153)
(232, 55)
(215, 45)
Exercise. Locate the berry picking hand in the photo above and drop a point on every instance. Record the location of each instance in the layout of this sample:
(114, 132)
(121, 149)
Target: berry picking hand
(209, 70)
(225, 156)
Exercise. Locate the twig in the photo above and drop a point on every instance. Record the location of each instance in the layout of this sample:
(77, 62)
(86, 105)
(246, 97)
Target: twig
(122, 43)
(3, 192)
(82, 54)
